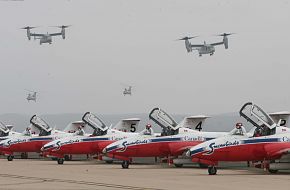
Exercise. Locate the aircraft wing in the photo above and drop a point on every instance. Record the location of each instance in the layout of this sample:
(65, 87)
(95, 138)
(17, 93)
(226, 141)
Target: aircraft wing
(216, 44)
(196, 45)
(33, 34)
(55, 34)
(277, 149)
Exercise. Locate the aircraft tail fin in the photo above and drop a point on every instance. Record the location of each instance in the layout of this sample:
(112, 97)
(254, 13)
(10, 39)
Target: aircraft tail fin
(193, 122)
(281, 118)
(127, 125)
(75, 126)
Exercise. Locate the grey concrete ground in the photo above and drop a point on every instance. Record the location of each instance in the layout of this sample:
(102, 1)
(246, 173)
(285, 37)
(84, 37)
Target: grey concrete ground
(41, 174)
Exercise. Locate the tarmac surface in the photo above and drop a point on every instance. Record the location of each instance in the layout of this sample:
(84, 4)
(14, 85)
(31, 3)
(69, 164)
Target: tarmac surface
(81, 175)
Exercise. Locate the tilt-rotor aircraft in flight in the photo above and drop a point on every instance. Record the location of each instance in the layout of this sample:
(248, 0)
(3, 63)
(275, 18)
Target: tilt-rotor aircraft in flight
(45, 38)
(205, 48)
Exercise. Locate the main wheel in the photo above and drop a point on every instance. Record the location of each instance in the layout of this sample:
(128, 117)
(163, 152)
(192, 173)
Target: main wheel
(125, 164)
(178, 165)
(10, 157)
(109, 161)
(212, 170)
(60, 160)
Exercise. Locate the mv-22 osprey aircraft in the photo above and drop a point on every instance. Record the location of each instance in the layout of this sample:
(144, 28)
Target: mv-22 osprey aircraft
(174, 141)
(205, 48)
(268, 144)
(45, 38)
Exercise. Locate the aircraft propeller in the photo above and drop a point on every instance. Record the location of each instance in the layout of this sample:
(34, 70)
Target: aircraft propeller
(187, 38)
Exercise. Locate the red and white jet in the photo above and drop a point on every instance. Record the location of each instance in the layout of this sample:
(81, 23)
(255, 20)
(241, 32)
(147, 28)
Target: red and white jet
(269, 143)
(94, 144)
(38, 134)
(176, 139)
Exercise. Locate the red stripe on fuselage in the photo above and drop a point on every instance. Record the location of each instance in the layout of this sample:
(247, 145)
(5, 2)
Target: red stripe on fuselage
(81, 148)
(159, 149)
(32, 146)
(245, 152)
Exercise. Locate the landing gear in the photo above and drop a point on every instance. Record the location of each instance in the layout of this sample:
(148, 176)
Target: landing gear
(10, 157)
(178, 165)
(211, 54)
(125, 164)
(60, 160)
(200, 55)
(109, 161)
(212, 170)
(24, 155)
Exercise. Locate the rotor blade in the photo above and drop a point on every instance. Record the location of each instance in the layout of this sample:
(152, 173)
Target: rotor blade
(29, 27)
(62, 26)
(225, 34)
(187, 38)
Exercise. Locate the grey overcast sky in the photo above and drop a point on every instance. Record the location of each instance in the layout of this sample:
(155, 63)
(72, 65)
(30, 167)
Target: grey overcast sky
(133, 42)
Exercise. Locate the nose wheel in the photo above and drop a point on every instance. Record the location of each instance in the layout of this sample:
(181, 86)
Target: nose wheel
(212, 170)
(125, 164)
(60, 160)
(10, 158)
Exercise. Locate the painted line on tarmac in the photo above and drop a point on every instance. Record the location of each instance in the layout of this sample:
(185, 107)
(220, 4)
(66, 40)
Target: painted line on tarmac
(43, 180)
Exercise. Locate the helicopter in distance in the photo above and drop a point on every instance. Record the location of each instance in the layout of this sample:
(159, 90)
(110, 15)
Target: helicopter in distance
(128, 91)
(205, 48)
(31, 96)
(45, 38)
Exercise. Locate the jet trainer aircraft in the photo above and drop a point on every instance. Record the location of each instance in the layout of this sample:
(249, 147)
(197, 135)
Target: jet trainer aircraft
(102, 136)
(38, 134)
(270, 143)
(176, 139)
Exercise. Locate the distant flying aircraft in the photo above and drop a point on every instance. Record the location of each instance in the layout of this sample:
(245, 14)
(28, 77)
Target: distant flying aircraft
(45, 38)
(127, 91)
(31, 96)
(205, 48)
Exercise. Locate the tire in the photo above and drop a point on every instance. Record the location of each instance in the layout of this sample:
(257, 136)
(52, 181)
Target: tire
(60, 161)
(109, 161)
(178, 165)
(273, 171)
(212, 170)
(125, 164)
(10, 158)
